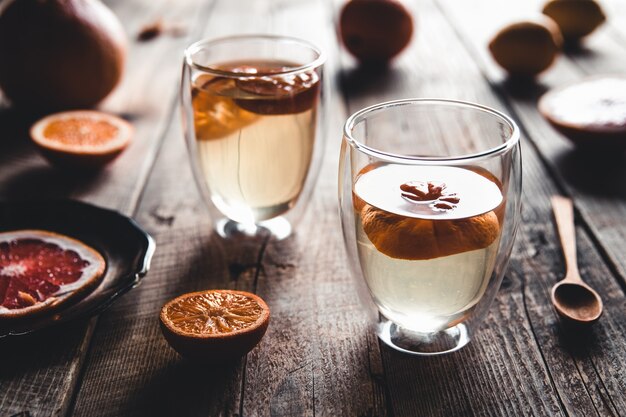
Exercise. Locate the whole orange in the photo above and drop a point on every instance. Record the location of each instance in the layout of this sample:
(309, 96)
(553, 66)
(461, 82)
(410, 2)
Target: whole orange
(375, 31)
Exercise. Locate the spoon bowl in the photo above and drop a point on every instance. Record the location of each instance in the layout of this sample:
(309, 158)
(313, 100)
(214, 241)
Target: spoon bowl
(577, 302)
(571, 297)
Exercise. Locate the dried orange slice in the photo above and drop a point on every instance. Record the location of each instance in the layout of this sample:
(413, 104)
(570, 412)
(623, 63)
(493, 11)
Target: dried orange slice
(415, 238)
(215, 114)
(40, 270)
(214, 325)
(280, 94)
(82, 138)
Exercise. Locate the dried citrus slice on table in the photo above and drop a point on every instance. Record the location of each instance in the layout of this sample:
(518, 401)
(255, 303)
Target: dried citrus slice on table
(214, 325)
(41, 270)
(83, 138)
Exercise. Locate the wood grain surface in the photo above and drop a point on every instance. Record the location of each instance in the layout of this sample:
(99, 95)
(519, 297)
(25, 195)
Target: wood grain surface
(318, 357)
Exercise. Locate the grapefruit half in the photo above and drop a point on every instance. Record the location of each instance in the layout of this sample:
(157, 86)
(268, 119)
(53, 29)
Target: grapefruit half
(41, 270)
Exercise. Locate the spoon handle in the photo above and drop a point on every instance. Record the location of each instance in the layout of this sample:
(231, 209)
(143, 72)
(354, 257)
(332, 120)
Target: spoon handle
(564, 215)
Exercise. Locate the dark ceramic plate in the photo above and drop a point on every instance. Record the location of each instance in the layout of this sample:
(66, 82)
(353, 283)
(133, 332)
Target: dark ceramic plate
(125, 246)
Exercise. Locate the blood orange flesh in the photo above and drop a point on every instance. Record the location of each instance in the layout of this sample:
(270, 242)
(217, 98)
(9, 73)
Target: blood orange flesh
(40, 269)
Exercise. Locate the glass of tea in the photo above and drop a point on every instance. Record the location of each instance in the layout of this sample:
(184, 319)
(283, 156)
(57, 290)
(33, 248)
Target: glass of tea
(429, 194)
(251, 113)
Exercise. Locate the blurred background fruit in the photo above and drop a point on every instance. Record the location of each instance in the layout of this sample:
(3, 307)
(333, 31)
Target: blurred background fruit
(576, 19)
(375, 31)
(591, 113)
(526, 48)
(59, 54)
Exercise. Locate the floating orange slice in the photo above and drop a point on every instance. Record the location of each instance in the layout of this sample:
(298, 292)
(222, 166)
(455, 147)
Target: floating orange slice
(413, 238)
(280, 94)
(417, 239)
(83, 138)
(214, 325)
(215, 114)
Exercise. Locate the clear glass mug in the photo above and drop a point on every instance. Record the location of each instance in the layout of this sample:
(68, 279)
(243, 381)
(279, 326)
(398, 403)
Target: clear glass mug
(429, 195)
(251, 114)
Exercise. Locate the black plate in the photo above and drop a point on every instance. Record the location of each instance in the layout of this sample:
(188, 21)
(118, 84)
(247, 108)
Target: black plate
(125, 246)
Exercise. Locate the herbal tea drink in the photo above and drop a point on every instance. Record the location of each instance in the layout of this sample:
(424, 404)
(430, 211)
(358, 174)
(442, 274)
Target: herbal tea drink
(255, 136)
(251, 114)
(429, 197)
(427, 240)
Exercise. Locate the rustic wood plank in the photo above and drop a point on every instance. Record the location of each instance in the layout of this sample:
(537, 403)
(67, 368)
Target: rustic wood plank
(45, 385)
(520, 361)
(307, 363)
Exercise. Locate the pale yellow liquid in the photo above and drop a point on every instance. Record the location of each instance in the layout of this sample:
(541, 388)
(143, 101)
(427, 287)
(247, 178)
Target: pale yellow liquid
(427, 294)
(255, 165)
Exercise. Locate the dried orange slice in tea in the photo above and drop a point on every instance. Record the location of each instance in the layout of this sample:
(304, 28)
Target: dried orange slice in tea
(279, 94)
(40, 270)
(214, 325)
(436, 234)
(418, 239)
(82, 138)
(215, 114)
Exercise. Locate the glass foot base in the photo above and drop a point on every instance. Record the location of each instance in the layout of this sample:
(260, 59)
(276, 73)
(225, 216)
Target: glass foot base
(425, 344)
(279, 228)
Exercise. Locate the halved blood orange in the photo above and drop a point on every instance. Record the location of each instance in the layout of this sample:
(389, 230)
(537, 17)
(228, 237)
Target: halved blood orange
(214, 325)
(82, 138)
(41, 270)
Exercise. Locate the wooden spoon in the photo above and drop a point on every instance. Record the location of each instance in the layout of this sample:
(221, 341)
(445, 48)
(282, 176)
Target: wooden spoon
(572, 298)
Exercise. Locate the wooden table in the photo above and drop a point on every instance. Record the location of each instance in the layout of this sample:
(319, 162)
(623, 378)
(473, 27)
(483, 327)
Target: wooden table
(317, 358)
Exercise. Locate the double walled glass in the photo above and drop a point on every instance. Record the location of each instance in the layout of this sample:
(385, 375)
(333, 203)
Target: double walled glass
(429, 194)
(251, 112)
